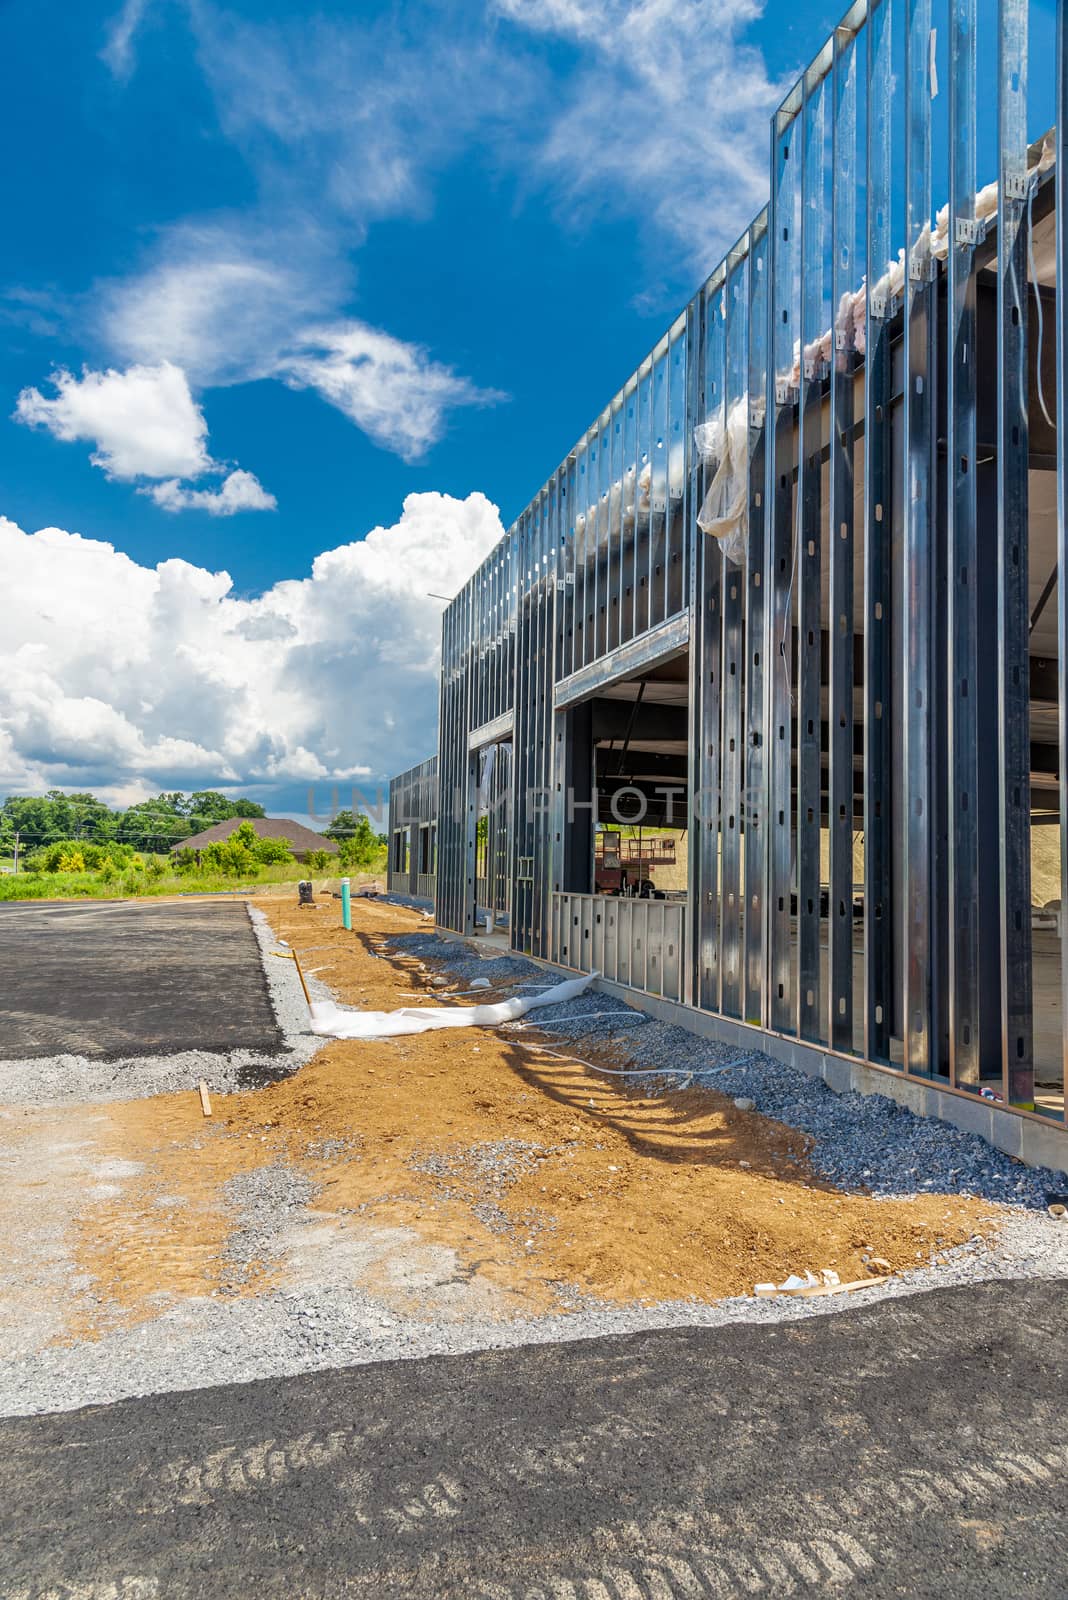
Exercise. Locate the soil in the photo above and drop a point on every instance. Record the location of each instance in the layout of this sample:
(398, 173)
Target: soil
(543, 1186)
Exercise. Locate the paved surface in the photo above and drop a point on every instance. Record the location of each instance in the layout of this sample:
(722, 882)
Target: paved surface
(913, 1448)
(122, 978)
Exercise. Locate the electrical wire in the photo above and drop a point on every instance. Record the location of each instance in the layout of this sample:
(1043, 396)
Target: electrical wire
(577, 1021)
(640, 1072)
(1031, 187)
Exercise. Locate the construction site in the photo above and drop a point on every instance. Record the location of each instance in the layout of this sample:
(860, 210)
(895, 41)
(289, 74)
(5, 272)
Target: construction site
(797, 599)
(245, 1148)
(654, 1186)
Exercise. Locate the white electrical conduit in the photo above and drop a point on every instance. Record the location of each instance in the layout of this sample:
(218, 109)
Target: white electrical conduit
(637, 1072)
(586, 1016)
(341, 1022)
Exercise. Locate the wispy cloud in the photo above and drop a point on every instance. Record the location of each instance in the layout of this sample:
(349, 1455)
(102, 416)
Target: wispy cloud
(118, 49)
(143, 423)
(656, 111)
(358, 111)
(222, 297)
(664, 117)
(217, 303)
(395, 392)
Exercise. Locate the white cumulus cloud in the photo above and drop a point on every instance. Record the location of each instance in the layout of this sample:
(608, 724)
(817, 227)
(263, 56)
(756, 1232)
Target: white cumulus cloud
(144, 423)
(239, 491)
(122, 678)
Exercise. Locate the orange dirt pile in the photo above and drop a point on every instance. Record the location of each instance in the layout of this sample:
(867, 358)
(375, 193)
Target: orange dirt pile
(607, 1191)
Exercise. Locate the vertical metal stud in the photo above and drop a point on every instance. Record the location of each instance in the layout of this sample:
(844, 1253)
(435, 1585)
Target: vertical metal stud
(960, 364)
(920, 1030)
(1013, 611)
(755, 573)
(1062, 511)
(878, 519)
(809, 559)
(679, 434)
(628, 576)
(705, 702)
(695, 392)
(615, 521)
(658, 486)
(736, 419)
(779, 495)
(844, 279)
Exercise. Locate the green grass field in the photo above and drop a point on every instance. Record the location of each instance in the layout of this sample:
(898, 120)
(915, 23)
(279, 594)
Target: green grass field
(132, 885)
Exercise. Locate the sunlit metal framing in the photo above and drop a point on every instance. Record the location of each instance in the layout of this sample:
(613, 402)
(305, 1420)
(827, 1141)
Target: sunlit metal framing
(847, 674)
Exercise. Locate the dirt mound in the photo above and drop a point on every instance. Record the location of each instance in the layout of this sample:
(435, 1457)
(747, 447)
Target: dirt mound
(546, 1183)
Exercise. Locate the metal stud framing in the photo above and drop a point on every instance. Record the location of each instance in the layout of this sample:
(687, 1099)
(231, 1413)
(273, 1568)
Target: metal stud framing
(918, 498)
(732, 667)
(782, 544)
(1013, 611)
(809, 554)
(755, 807)
(1062, 486)
(866, 613)
(879, 962)
(705, 807)
(841, 622)
(963, 629)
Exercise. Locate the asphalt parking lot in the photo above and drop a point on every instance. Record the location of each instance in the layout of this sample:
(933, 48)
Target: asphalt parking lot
(112, 978)
(914, 1447)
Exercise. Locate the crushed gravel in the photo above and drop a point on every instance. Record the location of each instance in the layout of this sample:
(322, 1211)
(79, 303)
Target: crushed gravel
(66, 1078)
(493, 1166)
(865, 1142)
(220, 1340)
(332, 1320)
(263, 1202)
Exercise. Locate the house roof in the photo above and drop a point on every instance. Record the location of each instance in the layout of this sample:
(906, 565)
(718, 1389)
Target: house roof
(301, 839)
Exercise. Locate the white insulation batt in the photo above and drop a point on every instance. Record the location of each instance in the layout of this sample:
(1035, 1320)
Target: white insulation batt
(341, 1022)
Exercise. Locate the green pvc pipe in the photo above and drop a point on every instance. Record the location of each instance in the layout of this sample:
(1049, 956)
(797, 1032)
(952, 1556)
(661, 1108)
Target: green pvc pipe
(346, 904)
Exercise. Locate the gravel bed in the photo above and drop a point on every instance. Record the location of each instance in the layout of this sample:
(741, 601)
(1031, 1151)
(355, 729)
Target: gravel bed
(235, 1340)
(497, 1163)
(264, 1201)
(228, 1336)
(494, 1165)
(462, 963)
(65, 1078)
(865, 1142)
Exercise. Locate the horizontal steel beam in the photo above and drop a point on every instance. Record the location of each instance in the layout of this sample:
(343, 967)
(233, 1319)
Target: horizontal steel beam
(663, 643)
(491, 732)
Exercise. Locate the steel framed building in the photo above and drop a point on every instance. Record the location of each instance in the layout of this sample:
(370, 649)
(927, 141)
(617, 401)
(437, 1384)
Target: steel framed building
(411, 863)
(797, 591)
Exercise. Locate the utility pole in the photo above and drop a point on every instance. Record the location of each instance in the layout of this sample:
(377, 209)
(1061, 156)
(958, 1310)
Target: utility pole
(18, 836)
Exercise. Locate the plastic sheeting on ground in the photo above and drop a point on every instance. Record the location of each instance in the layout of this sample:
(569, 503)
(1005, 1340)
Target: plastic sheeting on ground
(341, 1022)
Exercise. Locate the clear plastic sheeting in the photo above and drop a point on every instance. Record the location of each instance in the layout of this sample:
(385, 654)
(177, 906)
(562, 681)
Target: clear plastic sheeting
(724, 514)
(340, 1022)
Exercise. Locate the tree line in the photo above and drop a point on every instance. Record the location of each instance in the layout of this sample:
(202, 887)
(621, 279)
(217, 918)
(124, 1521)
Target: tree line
(60, 831)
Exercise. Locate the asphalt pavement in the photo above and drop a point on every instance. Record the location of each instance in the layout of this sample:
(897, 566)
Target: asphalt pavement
(113, 978)
(915, 1447)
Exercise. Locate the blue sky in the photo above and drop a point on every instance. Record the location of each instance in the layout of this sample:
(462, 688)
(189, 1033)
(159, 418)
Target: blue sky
(269, 271)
